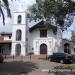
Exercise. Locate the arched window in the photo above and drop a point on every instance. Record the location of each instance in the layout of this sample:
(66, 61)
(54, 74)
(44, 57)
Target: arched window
(18, 49)
(19, 19)
(18, 35)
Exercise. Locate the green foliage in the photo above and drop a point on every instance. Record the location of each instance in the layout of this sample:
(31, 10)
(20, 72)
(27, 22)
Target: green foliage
(53, 28)
(45, 9)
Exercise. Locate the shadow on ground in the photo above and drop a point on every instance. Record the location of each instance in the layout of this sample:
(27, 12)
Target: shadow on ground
(64, 70)
(17, 67)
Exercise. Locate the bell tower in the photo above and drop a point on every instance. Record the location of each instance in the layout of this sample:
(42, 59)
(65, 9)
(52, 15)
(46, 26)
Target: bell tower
(19, 32)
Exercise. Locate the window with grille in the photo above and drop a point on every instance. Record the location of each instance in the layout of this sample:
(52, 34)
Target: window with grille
(43, 33)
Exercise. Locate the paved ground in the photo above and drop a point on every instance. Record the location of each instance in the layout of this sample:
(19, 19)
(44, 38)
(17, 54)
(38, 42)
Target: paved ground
(27, 66)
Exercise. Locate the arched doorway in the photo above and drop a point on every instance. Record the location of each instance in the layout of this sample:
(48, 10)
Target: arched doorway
(18, 49)
(67, 48)
(43, 49)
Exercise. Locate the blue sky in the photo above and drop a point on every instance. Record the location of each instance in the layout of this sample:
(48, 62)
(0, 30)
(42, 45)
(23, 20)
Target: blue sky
(8, 26)
(67, 33)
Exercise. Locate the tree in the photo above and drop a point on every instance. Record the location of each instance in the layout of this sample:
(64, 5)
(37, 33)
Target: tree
(5, 5)
(60, 10)
(73, 37)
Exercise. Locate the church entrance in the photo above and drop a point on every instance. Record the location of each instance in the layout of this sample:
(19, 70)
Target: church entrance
(66, 48)
(43, 49)
(18, 49)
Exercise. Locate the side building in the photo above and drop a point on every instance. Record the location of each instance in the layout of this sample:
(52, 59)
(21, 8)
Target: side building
(5, 43)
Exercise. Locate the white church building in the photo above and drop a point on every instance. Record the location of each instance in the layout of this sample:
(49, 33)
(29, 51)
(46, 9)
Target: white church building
(32, 37)
(36, 38)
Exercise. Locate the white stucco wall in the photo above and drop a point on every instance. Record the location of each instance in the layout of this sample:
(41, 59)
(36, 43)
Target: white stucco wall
(59, 40)
(22, 41)
(34, 41)
(15, 17)
(21, 27)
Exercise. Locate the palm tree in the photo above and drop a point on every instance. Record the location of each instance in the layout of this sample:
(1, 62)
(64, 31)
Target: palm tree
(5, 5)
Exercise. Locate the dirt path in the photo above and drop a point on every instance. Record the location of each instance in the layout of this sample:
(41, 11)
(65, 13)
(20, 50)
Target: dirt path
(24, 65)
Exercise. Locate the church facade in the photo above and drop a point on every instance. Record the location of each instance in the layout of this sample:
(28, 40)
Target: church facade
(37, 38)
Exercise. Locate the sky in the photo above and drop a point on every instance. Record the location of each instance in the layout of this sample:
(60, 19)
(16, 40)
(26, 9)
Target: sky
(8, 22)
(25, 5)
(67, 33)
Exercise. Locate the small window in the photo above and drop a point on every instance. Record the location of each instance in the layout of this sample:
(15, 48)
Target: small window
(43, 33)
(19, 19)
